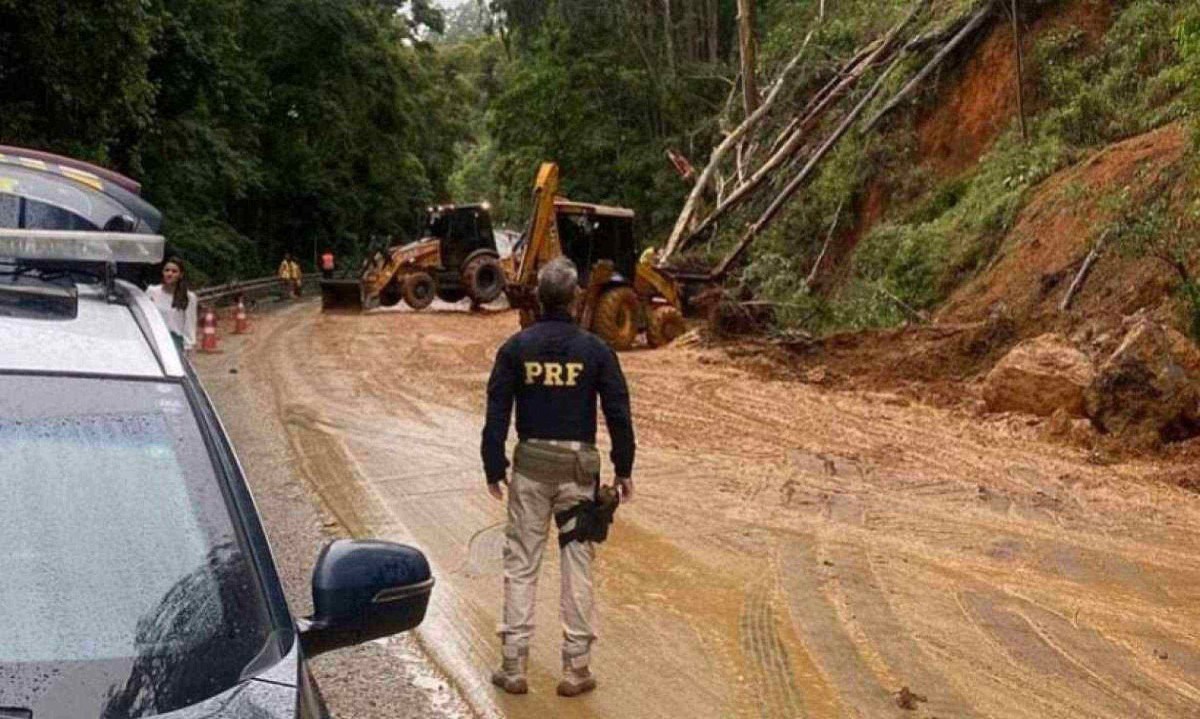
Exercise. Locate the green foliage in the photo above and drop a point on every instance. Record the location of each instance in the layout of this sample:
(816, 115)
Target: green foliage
(1159, 218)
(1142, 76)
(75, 79)
(1190, 292)
(258, 127)
(938, 233)
(1187, 37)
(596, 87)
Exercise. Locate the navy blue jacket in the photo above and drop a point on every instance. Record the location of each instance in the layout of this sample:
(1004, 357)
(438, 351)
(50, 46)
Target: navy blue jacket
(555, 371)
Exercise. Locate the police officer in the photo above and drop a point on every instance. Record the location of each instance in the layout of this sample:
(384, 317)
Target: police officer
(554, 371)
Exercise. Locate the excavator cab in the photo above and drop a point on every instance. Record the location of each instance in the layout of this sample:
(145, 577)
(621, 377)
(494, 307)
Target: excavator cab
(460, 230)
(590, 233)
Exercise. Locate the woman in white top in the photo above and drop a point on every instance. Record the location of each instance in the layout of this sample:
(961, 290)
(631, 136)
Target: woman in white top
(176, 304)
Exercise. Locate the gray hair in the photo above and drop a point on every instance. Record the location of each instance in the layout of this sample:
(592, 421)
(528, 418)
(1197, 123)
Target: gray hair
(557, 282)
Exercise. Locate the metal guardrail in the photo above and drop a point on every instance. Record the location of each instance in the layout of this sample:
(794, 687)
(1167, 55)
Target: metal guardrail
(250, 289)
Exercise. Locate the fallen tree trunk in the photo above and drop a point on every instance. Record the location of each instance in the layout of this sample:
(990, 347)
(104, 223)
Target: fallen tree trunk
(790, 147)
(916, 314)
(781, 199)
(972, 25)
(1081, 276)
(731, 140)
(933, 38)
(850, 67)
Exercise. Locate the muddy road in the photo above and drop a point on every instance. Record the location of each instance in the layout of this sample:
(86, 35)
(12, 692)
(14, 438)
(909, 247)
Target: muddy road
(792, 552)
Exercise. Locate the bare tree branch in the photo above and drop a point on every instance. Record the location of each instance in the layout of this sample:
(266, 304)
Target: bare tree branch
(812, 275)
(730, 141)
(972, 25)
(1077, 283)
(798, 135)
(781, 199)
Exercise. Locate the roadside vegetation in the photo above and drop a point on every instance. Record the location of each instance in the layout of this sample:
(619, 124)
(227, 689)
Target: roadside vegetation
(942, 227)
(258, 126)
(291, 125)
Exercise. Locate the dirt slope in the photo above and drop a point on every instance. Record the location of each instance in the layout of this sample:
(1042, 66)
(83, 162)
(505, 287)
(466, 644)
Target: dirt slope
(976, 100)
(972, 103)
(1057, 228)
(1017, 295)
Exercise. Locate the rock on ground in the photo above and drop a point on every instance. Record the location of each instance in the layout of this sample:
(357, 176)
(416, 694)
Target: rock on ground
(1039, 376)
(1148, 390)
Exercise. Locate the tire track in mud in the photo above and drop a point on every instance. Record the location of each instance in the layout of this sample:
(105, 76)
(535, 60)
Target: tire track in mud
(1096, 675)
(771, 670)
(484, 552)
(851, 528)
(868, 600)
(327, 468)
(325, 465)
(821, 631)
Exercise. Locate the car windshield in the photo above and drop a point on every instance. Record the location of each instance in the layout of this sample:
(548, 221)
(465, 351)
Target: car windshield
(126, 592)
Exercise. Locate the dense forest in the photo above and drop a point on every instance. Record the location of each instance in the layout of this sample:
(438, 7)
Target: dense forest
(289, 125)
(257, 126)
(876, 153)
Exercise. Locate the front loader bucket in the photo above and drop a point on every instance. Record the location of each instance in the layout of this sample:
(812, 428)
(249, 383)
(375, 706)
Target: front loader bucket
(341, 295)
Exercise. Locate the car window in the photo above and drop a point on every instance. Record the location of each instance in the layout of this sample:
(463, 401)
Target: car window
(38, 215)
(43, 216)
(10, 211)
(123, 574)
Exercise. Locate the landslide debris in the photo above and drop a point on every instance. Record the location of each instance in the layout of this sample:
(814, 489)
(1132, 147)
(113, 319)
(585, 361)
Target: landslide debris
(1148, 391)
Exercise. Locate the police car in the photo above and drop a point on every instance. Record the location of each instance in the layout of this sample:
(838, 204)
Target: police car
(137, 576)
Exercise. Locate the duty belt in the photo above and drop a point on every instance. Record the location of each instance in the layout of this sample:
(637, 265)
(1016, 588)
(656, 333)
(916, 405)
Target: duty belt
(564, 443)
(557, 460)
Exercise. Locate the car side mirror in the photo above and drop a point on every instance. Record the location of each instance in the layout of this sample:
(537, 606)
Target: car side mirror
(364, 590)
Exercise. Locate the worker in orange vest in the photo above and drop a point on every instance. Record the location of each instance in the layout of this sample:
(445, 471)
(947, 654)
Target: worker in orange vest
(327, 264)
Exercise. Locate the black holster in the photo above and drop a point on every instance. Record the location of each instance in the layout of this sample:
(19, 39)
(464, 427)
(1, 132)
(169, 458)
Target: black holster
(592, 517)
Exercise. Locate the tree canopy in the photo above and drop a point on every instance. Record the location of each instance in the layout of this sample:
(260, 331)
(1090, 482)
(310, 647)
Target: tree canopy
(258, 126)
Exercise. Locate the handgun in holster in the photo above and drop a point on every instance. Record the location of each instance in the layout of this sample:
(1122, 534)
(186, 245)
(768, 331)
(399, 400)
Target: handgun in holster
(591, 516)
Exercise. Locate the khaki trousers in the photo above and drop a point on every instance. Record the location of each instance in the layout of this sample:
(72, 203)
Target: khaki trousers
(531, 506)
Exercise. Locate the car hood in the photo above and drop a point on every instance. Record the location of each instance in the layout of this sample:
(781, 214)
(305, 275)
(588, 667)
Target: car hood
(254, 699)
(102, 690)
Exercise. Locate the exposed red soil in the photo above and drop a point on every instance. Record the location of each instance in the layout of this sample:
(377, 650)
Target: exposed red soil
(975, 103)
(934, 364)
(869, 210)
(1016, 297)
(978, 99)
(1056, 230)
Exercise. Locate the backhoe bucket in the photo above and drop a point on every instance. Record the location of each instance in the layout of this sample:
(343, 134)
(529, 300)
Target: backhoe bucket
(341, 295)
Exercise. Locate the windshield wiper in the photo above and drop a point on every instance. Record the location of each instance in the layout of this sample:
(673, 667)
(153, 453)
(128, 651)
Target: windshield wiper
(15, 713)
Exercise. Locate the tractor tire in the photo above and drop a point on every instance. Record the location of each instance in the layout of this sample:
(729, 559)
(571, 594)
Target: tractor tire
(391, 294)
(450, 296)
(483, 279)
(419, 290)
(664, 325)
(615, 318)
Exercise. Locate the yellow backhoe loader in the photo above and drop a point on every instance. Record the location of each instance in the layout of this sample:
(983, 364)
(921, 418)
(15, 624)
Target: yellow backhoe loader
(620, 296)
(455, 258)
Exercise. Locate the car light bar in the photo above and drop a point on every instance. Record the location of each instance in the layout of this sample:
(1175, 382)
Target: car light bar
(81, 246)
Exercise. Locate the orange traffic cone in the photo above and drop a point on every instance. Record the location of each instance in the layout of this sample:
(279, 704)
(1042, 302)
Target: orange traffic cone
(241, 325)
(209, 341)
